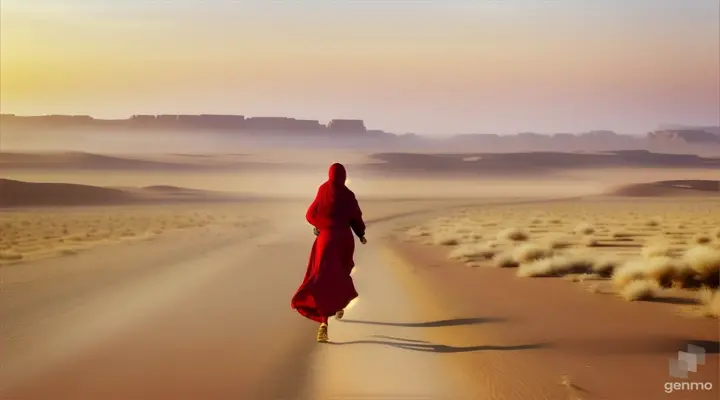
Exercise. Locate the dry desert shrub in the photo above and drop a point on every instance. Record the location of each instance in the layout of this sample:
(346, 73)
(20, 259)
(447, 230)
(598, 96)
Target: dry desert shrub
(628, 272)
(530, 252)
(539, 268)
(472, 253)
(418, 232)
(513, 234)
(640, 290)
(710, 299)
(584, 229)
(622, 235)
(653, 222)
(605, 266)
(702, 239)
(589, 241)
(493, 244)
(656, 249)
(558, 243)
(446, 239)
(504, 260)
(557, 266)
(705, 262)
(663, 270)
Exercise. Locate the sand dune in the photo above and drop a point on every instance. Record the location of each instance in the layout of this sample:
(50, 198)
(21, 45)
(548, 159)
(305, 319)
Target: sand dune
(535, 162)
(17, 193)
(148, 162)
(385, 163)
(670, 188)
(30, 194)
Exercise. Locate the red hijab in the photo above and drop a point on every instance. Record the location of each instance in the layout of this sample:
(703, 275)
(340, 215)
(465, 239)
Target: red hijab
(334, 203)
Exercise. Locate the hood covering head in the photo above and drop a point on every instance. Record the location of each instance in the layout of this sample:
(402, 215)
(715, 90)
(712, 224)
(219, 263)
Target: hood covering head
(337, 175)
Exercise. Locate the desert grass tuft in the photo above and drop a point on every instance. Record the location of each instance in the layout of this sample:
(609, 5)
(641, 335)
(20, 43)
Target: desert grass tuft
(604, 266)
(584, 229)
(557, 266)
(657, 249)
(710, 299)
(472, 253)
(622, 235)
(663, 270)
(640, 290)
(628, 272)
(530, 252)
(505, 260)
(558, 243)
(705, 262)
(653, 222)
(446, 239)
(589, 241)
(513, 234)
(702, 239)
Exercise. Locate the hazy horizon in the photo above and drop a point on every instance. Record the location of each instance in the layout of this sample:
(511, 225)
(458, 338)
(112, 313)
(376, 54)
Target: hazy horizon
(428, 67)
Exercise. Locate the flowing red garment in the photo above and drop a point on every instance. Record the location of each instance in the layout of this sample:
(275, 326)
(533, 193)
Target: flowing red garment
(328, 287)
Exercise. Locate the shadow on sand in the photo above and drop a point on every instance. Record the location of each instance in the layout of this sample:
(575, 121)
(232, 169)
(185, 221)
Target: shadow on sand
(430, 324)
(440, 348)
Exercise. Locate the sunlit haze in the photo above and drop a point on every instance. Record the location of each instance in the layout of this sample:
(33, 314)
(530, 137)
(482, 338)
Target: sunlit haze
(417, 66)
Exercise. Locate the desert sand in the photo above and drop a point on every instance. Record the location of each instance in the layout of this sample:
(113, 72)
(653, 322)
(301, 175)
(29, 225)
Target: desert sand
(510, 289)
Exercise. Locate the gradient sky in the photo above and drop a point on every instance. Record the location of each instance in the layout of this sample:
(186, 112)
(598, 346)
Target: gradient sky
(485, 66)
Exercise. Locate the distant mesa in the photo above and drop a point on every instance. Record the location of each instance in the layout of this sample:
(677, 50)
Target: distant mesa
(674, 139)
(685, 135)
(202, 121)
(347, 126)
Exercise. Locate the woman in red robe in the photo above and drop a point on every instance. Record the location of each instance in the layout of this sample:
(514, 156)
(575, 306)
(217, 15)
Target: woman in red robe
(328, 288)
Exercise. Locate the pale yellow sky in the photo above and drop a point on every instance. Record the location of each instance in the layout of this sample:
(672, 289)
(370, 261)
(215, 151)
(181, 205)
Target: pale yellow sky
(435, 67)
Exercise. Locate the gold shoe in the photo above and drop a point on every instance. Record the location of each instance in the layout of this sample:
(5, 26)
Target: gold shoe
(340, 314)
(322, 333)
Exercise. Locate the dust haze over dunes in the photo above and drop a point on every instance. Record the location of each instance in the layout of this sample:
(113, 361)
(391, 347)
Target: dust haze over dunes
(185, 240)
(539, 181)
(295, 173)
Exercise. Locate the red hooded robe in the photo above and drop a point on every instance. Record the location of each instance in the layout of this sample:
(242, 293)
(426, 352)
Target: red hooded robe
(328, 287)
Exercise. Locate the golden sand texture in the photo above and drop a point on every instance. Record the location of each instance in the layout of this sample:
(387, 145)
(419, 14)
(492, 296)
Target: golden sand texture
(30, 235)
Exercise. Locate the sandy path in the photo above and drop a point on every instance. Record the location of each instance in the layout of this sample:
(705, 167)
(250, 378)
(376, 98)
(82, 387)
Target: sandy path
(191, 316)
(607, 348)
(209, 318)
(380, 349)
(172, 326)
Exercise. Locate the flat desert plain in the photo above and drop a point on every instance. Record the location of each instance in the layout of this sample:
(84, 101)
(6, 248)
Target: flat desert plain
(170, 277)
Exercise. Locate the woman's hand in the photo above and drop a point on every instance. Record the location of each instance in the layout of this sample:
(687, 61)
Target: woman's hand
(363, 240)
(316, 231)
